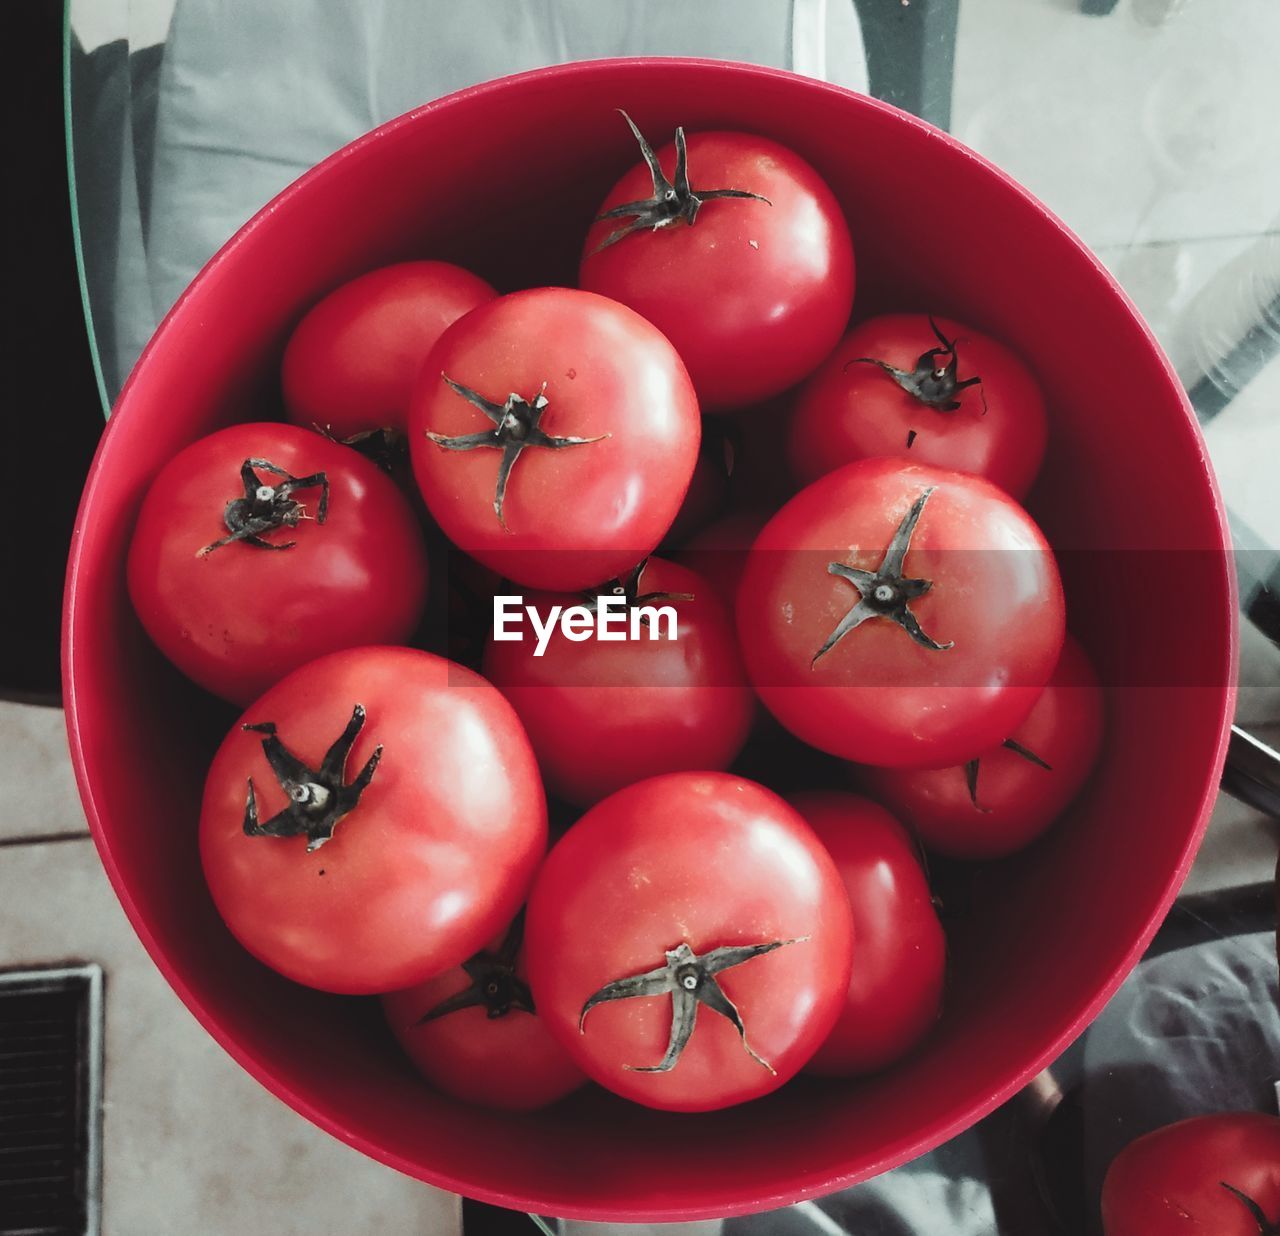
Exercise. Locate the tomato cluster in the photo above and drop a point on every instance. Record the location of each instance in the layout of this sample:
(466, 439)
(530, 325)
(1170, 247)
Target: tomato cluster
(847, 573)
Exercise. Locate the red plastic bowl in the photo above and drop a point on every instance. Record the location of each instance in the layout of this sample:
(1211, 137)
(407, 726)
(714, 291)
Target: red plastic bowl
(502, 178)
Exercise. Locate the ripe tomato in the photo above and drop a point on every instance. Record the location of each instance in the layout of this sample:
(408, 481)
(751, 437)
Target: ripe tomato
(951, 396)
(602, 714)
(427, 775)
(1003, 799)
(474, 1032)
(958, 631)
(686, 890)
(262, 547)
(350, 364)
(1214, 1174)
(895, 988)
(752, 293)
(590, 412)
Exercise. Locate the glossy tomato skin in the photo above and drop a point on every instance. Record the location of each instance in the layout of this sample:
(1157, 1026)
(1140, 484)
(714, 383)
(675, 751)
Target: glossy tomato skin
(509, 1062)
(1017, 799)
(895, 987)
(877, 696)
(240, 618)
(351, 363)
(709, 860)
(603, 714)
(849, 411)
(436, 856)
(579, 514)
(752, 295)
(1170, 1181)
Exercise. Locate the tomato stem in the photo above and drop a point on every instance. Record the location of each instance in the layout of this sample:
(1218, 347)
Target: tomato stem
(628, 586)
(494, 985)
(971, 769)
(516, 427)
(1265, 1226)
(672, 201)
(885, 592)
(1027, 754)
(689, 980)
(935, 379)
(318, 797)
(265, 508)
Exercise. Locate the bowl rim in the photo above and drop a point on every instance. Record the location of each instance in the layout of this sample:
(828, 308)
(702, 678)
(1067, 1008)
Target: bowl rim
(751, 1197)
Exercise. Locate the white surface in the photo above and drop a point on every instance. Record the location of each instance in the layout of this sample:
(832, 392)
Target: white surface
(39, 792)
(1152, 123)
(142, 22)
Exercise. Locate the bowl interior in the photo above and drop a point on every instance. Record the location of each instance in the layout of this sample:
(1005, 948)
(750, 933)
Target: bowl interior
(503, 178)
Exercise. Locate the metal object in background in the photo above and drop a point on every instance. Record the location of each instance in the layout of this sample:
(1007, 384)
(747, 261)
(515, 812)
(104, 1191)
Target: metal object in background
(1225, 376)
(51, 1101)
(1252, 773)
(911, 54)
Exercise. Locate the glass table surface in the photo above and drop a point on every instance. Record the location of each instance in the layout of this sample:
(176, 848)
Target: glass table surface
(1147, 125)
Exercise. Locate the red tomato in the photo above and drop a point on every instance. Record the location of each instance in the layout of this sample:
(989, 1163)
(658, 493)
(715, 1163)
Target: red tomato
(337, 558)
(752, 293)
(895, 988)
(351, 363)
(958, 632)
(602, 714)
(474, 1033)
(427, 775)
(588, 409)
(1005, 798)
(693, 889)
(932, 410)
(1218, 1175)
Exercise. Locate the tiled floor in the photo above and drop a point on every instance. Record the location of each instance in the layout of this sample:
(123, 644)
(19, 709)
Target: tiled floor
(39, 792)
(1144, 125)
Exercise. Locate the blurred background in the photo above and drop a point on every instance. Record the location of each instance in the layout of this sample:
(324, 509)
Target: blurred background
(151, 129)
